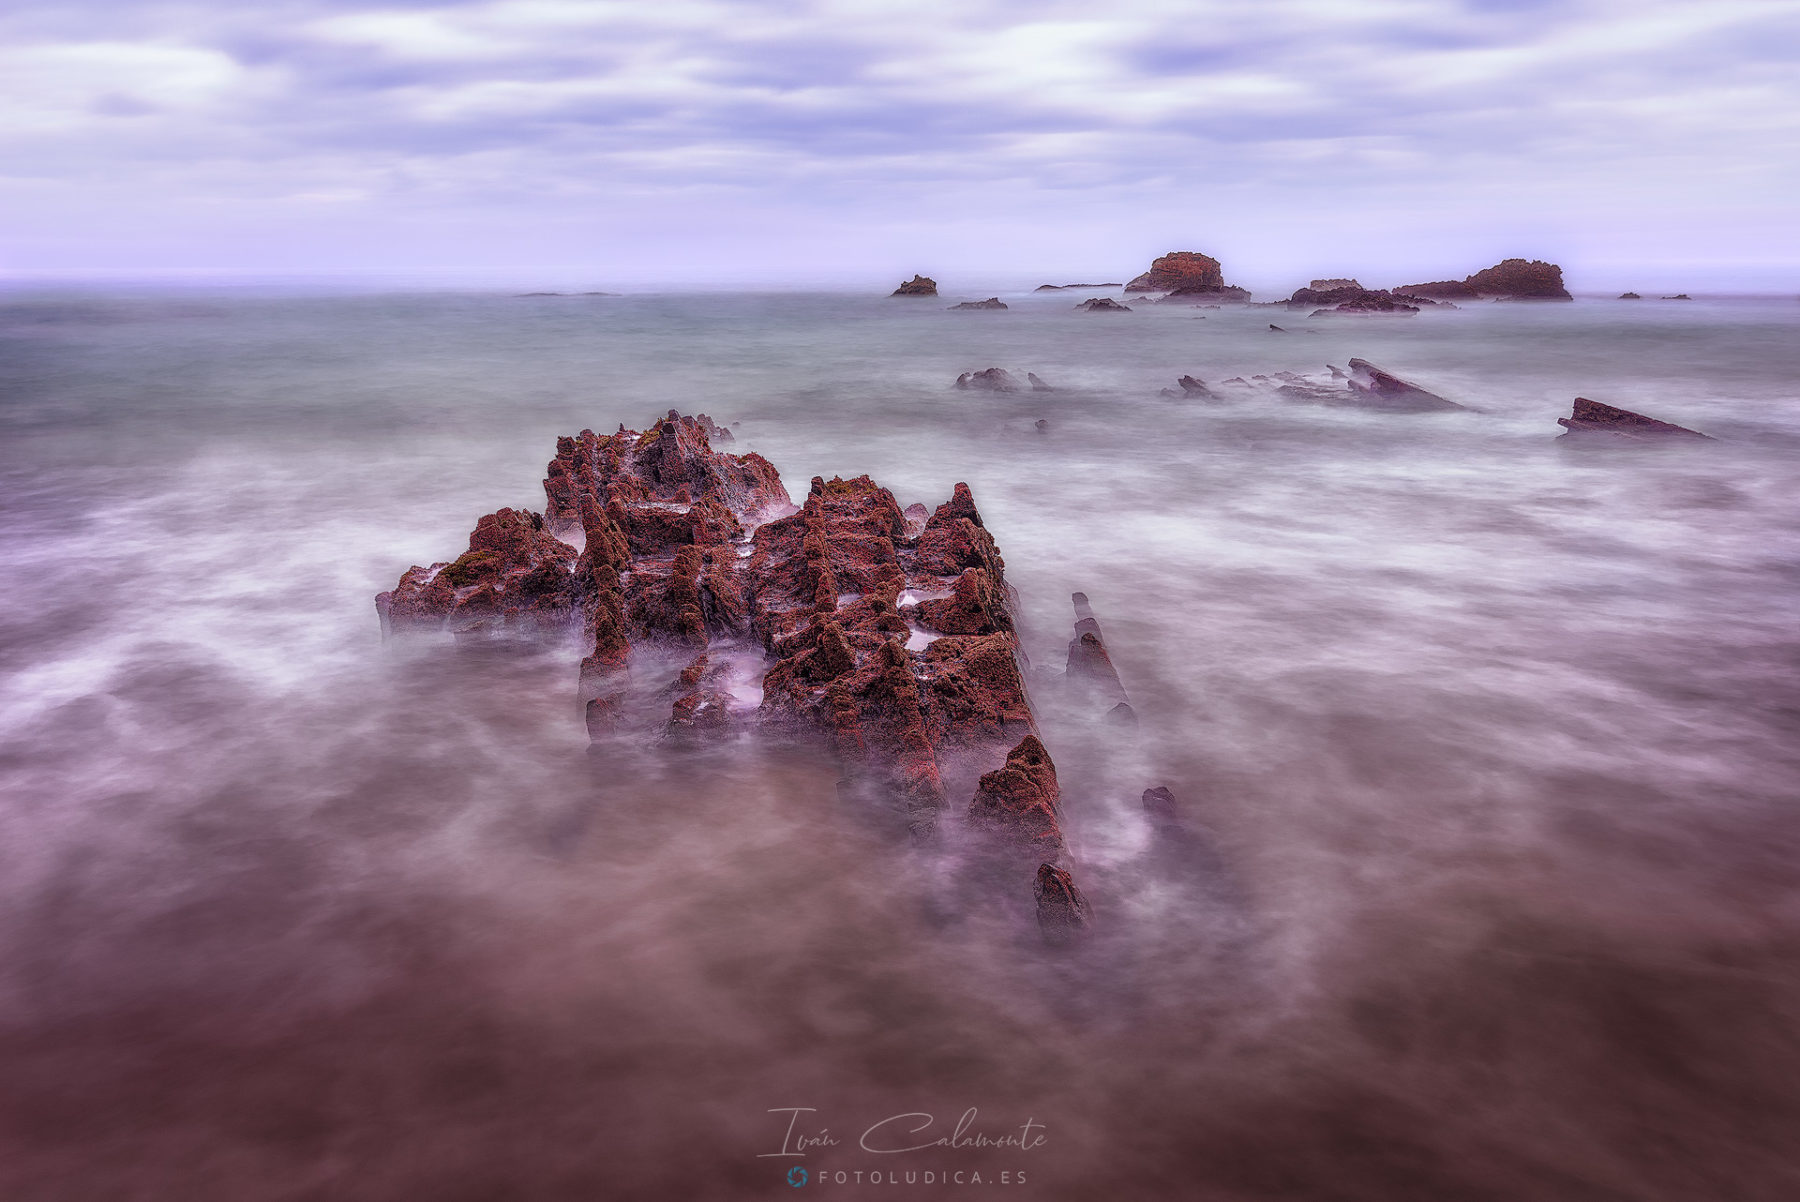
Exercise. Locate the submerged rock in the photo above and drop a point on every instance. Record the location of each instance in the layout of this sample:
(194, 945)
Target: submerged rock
(1062, 912)
(1103, 304)
(1159, 804)
(1041, 425)
(1378, 389)
(992, 379)
(1510, 279)
(1060, 287)
(1089, 667)
(1679, 296)
(992, 302)
(917, 286)
(1037, 385)
(1592, 419)
(515, 574)
(1194, 387)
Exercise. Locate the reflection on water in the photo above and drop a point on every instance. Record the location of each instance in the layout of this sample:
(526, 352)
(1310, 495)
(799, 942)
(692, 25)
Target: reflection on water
(1484, 748)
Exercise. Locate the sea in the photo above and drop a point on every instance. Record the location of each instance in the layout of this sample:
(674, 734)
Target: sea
(1486, 748)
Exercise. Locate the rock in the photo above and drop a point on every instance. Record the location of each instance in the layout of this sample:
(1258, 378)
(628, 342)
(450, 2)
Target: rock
(1333, 285)
(1337, 373)
(1060, 287)
(1510, 279)
(1062, 913)
(1591, 419)
(993, 379)
(1229, 294)
(1377, 389)
(1193, 387)
(1629, 296)
(1103, 304)
(1679, 296)
(1042, 425)
(1037, 385)
(1016, 804)
(1159, 805)
(1276, 328)
(917, 286)
(1122, 715)
(1177, 270)
(992, 302)
(1089, 667)
(515, 575)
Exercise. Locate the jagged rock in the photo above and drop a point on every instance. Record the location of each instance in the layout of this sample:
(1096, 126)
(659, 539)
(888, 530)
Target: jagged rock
(1513, 279)
(1333, 285)
(992, 302)
(1089, 667)
(1016, 804)
(1229, 294)
(1179, 269)
(1629, 296)
(1060, 287)
(1347, 296)
(1193, 387)
(1276, 328)
(993, 379)
(917, 286)
(1103, 304)
(1037, 385)
(1378, 389)
(1594, 419)
(514, 574)
(1062, 912)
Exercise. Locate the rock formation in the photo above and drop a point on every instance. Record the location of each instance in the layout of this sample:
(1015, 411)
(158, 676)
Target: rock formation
(1679, 296)
(1592, 419)
(1089, 667)
(1061, 287)
(1377, 389)
(1194, 388)
(917, 286)
(1629, 296)
(992, 379)
(1037, 385)
(1062, 912)
(885, 634)
(1187, 275)
(1103, 304)
(1333, 285)
(1510, 279)
(992, 302)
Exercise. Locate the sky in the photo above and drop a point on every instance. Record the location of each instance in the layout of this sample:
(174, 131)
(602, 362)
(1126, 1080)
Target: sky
(1647, 143)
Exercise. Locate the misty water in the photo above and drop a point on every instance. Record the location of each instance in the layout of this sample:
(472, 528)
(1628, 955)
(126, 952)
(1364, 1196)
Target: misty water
(1486, 748)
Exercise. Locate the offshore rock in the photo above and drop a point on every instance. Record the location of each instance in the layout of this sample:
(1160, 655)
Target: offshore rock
(992, 302)
(1377, 389)
(1016, 804)
(1177, 270)
(1037, 385)
(1194, 387)
(1510, 279)
(1089, 667)
(1060, 287)
(1103, 304)
(1592, 419)
(917, 286)
(993, 379)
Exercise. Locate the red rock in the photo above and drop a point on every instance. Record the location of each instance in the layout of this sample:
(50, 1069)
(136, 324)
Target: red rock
(1514, 279)
(515, 573)
(917, 286)
(1017, 803)
(1590, 418)
(977, 606)
(1179, 269)
(1089, 667)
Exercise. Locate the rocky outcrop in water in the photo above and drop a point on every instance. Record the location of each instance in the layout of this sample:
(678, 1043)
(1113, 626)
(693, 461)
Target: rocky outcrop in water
(1592, 420)
(917, 286)
(1629, 296)
(1187, 276)
(992, 379)
(886, 634)
(1378, 389)
(1510, 279)
(1089, 668)
(1061, 287)
(1103, 304)
(992, 302)
(1037, 385)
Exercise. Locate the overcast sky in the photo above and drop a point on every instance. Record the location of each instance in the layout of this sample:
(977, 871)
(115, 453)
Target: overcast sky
(1642, 143)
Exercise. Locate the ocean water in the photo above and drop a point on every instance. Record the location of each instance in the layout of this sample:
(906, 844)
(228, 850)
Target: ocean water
(1488, 750)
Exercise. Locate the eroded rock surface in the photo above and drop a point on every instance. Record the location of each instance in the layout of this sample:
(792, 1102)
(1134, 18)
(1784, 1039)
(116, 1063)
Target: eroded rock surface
(992, 379)
(1592, 419)
(992, 302)
(1379, 389)
(1509, 279)
(917, 286)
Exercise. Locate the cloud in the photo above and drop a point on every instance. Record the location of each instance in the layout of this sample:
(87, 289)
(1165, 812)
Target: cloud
(859, 112)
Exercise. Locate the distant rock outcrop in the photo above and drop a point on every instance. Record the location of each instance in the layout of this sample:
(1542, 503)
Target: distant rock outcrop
(1061, 287)
(917, 286)
(1629, 296)
(1351, 297)
(992, 302)
(1103, 304)
(1333, 285)
(993, 379)
(1510, 279)
(1594, 420)
(1177, 270)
